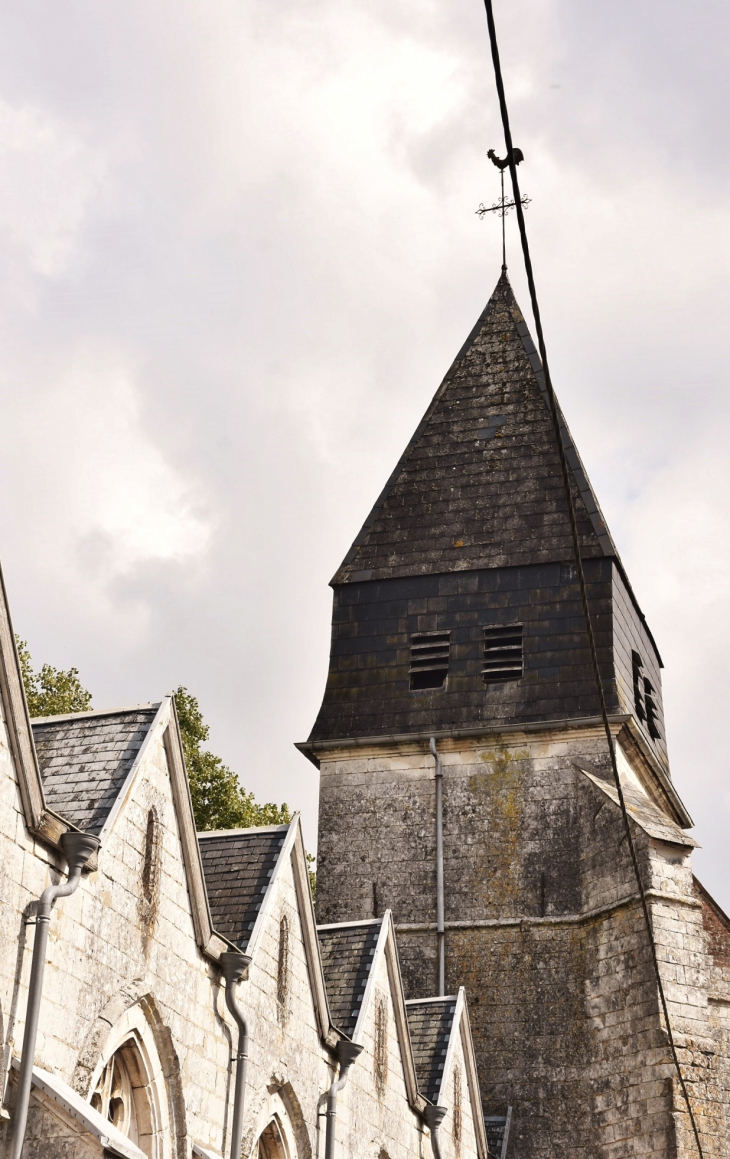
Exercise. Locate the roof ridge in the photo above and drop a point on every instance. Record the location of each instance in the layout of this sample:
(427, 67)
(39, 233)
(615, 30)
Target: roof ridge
(248, 829)
(347, 925)
(436, 998)
(574, 460)
(149, 706)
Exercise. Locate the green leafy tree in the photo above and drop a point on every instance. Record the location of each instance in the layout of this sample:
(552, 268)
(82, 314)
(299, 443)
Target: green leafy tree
(219, 801)
(51, 691)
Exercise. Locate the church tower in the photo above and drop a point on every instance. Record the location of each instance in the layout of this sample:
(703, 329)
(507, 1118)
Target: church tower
(465, 778)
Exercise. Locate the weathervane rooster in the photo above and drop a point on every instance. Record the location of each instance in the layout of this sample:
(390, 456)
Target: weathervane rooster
(516, 153)
(503, 207)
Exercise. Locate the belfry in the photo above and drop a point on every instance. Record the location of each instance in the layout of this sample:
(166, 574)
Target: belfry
(466, 783)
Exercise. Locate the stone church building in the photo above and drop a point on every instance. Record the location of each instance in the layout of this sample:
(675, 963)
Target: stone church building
(478, 978)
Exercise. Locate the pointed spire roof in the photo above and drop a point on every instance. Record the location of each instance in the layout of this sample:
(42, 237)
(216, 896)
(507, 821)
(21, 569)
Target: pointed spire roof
(479, 485)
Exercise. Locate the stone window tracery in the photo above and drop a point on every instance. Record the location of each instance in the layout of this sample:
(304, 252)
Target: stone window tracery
(271, 1143)
(121, 1095)
(129, 1087)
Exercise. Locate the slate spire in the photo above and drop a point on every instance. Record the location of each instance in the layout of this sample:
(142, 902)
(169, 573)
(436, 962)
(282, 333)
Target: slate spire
(479, 484)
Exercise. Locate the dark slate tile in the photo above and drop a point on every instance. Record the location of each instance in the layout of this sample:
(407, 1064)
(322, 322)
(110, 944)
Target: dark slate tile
(347, 955)
(238, 867)
(84, 761)
(430, 1023)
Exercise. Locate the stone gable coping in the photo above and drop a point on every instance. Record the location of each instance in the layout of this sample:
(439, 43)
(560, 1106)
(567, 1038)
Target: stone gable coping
(390, 950)
(240, 868)
(350, 959)
(209, 941)
(463, 1022)
(203, 1152)
(76, 1108)
(41, 821)
(330, 1036)
(160, 721)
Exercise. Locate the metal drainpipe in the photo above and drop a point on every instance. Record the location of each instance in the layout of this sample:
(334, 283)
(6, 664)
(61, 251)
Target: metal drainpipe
(347, 1052)
(77, 849)
(434, 1118)
(233, 966)
(440, 939)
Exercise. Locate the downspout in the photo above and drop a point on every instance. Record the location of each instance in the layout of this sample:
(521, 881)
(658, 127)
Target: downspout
(434, 1118)
(440, 939)
(233, 966)
(347, 1052)
(77, 849)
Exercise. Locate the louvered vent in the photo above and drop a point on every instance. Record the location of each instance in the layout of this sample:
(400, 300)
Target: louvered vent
(651, 710)
(429, 660)
(502, 653)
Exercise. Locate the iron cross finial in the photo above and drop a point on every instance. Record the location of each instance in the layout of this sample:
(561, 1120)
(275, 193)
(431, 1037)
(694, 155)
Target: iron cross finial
(502, 207)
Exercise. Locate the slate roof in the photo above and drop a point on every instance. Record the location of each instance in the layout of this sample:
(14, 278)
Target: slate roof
(479, 485)
(238, 866)
(642, 810)
(347, 953)
(84, 760)
(429, 1023)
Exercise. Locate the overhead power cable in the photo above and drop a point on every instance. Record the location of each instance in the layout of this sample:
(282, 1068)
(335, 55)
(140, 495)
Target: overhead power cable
(576, 550)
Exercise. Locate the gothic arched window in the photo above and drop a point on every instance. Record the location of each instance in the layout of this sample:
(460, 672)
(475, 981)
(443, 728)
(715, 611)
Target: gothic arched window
(129, 1085)
(271, 1143)
(121, 1094)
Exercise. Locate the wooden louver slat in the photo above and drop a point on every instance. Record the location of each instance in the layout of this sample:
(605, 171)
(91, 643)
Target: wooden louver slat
(503, 653)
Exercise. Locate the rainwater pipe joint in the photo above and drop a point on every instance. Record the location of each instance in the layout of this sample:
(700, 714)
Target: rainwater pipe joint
(434, 1116)
(77, 849)
(347, 1053)
(440, 934)
(233, 966)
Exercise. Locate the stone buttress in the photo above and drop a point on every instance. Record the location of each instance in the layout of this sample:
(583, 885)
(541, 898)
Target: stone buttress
(457, 617)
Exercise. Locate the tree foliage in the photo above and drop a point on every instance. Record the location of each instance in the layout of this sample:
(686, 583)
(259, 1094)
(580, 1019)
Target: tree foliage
(219, 801)
(51, 691)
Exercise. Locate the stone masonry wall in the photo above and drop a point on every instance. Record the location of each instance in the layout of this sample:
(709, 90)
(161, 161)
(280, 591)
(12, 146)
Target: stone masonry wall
(543, 929)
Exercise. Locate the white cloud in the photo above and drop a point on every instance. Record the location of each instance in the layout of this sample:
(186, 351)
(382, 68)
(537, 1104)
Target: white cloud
(51, 177)
(90, 480)
(247, 236)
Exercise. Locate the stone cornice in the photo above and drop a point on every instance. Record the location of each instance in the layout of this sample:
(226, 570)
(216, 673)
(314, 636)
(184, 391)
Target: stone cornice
(526, 921)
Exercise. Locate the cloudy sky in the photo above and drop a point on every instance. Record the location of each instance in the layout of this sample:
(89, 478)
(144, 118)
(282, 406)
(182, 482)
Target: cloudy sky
(238, 251)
